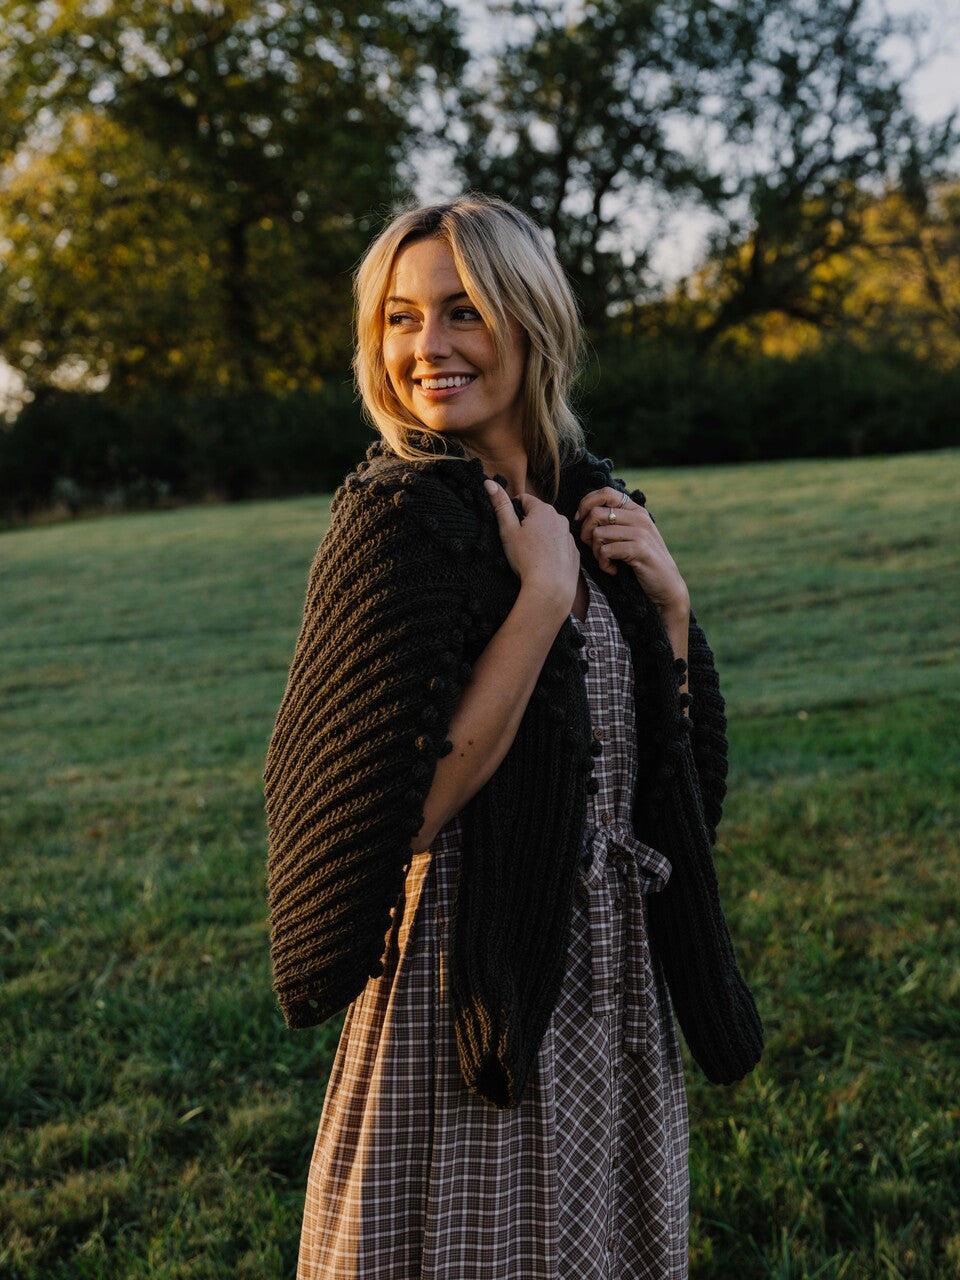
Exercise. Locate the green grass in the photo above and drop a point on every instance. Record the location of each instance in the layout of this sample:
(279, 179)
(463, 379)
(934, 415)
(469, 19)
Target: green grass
(160, 1118)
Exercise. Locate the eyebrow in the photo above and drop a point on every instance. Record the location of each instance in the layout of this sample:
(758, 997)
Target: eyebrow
(453, 297)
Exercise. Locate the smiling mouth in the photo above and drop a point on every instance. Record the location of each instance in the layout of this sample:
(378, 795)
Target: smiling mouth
(448, 383)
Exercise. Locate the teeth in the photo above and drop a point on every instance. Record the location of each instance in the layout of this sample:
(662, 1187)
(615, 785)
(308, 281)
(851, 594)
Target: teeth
(441, 384)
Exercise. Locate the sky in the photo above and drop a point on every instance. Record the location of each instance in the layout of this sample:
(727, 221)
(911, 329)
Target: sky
(935, 92)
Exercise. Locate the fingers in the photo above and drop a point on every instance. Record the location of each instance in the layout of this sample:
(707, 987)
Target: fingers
(631, 521)
(502, 502)
(605, 497)
(615, 545)
(609, 535)
(502, 505)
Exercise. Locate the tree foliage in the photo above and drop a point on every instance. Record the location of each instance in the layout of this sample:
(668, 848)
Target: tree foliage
(781, 122)
(813, 126)
(897, 290)
(571, 119)
(251, 141)
(185, 185)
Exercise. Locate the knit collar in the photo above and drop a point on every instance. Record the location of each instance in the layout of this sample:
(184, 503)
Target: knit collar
(580, 472)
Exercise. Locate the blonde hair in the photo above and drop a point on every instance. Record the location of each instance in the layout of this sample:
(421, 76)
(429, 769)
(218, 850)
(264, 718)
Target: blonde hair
(509, 269)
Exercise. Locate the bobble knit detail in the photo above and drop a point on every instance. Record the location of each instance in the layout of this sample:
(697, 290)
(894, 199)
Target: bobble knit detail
(406, 590)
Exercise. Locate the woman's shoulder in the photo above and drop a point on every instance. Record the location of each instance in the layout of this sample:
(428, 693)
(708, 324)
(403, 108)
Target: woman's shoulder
(391, 496)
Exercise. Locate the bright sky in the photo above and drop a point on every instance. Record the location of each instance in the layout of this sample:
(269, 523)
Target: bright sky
(936, 91)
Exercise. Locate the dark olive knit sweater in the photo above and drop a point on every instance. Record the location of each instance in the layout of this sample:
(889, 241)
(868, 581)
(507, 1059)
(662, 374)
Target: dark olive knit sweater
(406, 589)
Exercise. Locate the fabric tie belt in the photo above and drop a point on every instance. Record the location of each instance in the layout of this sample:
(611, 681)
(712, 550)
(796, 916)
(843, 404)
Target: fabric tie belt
(646, 871)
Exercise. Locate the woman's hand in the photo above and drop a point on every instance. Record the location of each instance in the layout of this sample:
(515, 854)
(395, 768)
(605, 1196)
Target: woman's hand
(633, 540)
(540, 549)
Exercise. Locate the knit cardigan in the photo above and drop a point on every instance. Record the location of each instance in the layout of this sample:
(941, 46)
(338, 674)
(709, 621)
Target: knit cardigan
(407, 587)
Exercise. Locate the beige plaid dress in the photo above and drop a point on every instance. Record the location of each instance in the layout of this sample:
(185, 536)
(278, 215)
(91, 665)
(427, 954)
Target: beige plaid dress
(414, 1177)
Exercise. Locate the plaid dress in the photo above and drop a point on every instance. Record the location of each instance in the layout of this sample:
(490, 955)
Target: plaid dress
(414, 1177)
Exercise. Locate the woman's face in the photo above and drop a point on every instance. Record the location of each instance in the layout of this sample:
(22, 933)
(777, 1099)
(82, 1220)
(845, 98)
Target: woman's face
(439, 354)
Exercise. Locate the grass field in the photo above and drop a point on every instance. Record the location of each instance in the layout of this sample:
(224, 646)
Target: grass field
(159, 1118)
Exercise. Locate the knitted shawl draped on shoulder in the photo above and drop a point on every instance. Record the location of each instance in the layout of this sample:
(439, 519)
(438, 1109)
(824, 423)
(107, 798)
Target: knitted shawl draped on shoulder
(407, 587)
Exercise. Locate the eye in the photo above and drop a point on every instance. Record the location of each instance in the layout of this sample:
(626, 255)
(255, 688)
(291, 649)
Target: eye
(396, 318)
(470, 314)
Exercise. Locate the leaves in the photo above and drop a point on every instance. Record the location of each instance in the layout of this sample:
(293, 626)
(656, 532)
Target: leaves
(243, 146)
(186, 188)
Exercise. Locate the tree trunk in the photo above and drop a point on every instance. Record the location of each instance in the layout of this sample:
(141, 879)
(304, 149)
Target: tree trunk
(241, 319)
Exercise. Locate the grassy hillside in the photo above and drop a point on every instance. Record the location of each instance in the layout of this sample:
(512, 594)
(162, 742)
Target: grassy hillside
(160, 1116)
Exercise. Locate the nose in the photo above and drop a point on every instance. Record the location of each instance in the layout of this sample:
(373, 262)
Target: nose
(433, 340)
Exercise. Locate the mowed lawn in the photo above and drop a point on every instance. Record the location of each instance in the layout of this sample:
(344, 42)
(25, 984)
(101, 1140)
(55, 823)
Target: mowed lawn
(159, 1118)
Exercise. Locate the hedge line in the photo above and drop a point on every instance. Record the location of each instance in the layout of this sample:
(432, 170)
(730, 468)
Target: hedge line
(641, 406)
(669, 406)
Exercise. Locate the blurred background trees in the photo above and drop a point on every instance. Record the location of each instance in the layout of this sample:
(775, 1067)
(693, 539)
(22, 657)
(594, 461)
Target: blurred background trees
(186, 185)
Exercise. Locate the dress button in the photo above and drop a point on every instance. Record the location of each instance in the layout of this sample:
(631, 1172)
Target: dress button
(616, 987)
(611, 1243)
(591, 652)
(598, 734)
(606, 817)
(617, 904)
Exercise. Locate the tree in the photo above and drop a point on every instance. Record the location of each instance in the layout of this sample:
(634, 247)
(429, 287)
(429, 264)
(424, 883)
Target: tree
(571, 118)
(781, 122)
(206, 173)
(898, 290)
(813, 126)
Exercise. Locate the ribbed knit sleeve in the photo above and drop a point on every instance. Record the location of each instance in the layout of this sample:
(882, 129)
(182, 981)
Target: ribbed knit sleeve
(519, 858)
(709, 720)
(376, 676)
(713, 1003)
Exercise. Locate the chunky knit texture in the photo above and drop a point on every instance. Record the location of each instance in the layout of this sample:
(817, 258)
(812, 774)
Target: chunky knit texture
(406, 589)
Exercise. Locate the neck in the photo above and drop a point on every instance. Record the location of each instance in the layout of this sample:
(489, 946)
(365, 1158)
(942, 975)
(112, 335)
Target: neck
(508, 462)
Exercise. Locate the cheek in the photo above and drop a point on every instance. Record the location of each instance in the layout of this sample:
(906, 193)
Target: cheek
(393, 365)
(394, 387)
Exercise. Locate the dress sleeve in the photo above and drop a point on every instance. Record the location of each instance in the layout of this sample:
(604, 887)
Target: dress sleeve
(376, 676)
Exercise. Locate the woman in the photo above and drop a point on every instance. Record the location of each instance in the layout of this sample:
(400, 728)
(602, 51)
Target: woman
(492, 791)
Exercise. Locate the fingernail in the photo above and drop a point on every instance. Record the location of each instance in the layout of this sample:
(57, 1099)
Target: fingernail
(491, 486)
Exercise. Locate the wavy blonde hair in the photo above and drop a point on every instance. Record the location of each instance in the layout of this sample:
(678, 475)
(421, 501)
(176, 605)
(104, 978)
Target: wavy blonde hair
(509, 269)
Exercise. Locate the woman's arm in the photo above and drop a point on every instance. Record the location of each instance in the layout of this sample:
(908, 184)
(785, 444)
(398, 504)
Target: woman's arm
(488, 715)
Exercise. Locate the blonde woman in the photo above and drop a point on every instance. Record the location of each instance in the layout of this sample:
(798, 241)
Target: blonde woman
(492, 791)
